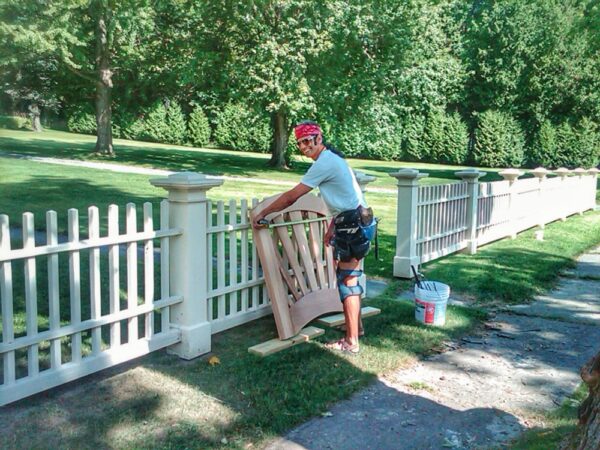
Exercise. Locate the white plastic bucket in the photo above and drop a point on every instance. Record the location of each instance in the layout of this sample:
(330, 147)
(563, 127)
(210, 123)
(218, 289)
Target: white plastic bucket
(430, 302)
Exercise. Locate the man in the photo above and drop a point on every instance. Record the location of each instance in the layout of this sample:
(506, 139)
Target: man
(350, 231)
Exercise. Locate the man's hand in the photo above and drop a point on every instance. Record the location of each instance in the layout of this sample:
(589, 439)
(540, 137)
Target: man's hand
(329, 233)
(260, 222)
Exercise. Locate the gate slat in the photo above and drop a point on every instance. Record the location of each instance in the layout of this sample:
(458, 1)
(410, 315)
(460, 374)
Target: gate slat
(303, 250)
(316, 240)
(221, 258)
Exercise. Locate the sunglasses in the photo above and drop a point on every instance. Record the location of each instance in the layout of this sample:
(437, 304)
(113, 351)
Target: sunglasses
(306, 141)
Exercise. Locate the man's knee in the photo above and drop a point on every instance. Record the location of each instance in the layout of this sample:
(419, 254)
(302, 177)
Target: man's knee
(347, 280)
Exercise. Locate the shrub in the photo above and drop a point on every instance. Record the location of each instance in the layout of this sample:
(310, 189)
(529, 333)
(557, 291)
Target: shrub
(499, 141)
(175, 121)
(153, 125)
(239, 128)
(543, 151)
(456, 139)
(82, 120)
(14, 122)
(414, 129)
(123, 125)
(374, 133)
(586, 146)
(198, 128)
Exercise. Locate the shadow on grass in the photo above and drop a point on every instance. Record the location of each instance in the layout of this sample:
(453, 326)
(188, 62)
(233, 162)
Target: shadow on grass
(160, 401)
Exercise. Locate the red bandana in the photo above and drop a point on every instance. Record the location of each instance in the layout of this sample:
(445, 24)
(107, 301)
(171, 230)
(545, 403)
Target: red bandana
(306, 129)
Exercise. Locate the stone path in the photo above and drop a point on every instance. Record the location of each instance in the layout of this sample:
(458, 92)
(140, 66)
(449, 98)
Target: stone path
(483, 391)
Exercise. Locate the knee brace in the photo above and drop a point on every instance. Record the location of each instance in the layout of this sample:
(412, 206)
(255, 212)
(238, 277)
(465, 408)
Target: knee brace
(344, 276)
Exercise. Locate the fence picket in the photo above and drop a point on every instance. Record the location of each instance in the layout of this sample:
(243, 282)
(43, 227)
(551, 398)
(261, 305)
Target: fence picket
(255, 289)
(149, 270)
(244, 252)
(209, 257)
(33, 366)
(74, 283)
(233, 262)
(221, 258)
(165, 289)
(132, 280)
(53, 289)
(95, 299)
(6, 297)
(114, 274)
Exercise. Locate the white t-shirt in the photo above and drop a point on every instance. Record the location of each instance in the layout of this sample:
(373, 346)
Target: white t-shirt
(336, 182)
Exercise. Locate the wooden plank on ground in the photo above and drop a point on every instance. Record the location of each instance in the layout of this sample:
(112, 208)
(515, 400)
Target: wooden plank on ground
(338, 319)
(276, 345)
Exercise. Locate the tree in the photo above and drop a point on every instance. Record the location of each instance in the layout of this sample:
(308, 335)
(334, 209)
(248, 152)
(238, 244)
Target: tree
(83, 37)
(261, 53)
(588, 434)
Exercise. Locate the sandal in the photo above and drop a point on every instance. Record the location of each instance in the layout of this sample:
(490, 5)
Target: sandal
(343, 346)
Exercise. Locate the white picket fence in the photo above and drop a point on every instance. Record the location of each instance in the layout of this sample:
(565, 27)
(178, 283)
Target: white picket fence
(434, 221)
(202, 277)
(99, 328)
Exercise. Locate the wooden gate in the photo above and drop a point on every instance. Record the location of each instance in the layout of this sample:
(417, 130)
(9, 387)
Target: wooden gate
(299, 269)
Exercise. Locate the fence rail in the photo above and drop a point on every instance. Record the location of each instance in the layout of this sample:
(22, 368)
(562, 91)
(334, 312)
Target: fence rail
(434, 221)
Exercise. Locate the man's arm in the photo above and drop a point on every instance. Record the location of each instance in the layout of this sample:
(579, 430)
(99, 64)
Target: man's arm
(286, 199)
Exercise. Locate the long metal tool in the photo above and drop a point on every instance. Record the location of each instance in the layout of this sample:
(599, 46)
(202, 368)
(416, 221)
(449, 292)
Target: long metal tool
(294, 222)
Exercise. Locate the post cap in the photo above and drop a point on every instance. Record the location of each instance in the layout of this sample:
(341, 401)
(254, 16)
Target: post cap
(408, 174)
(470, 174)
(187, 181)
(562, 172)
(510, 174)
(540, 172)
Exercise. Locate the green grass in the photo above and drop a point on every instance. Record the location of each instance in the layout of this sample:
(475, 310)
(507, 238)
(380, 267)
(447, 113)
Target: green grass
(557, 425)
(162, 402)
(59, 144)
(167, 403)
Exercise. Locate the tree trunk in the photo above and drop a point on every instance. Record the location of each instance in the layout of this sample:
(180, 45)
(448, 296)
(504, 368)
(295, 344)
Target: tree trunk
(280, 140)
(588, 434)
(34, 113)
(104, 143)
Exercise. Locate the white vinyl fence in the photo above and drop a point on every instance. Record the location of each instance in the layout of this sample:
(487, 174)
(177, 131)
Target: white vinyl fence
(434, 221)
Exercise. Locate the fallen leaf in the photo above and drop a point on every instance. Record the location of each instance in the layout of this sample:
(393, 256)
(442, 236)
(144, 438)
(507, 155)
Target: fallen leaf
(214, 360)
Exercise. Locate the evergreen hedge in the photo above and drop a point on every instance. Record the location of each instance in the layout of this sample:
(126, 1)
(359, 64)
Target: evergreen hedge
(499, 141)
(239, 128)
(198, 128)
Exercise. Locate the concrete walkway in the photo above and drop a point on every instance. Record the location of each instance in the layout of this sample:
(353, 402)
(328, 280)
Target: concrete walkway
(483, 391)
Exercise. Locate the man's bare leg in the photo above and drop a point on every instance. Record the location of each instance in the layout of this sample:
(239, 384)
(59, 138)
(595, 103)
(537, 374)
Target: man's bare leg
(351, 304)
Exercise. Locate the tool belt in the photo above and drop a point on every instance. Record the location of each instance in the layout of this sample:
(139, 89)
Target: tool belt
(353, 232)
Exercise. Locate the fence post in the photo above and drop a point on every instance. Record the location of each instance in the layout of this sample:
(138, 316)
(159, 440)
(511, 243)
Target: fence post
(406, 221)
(593, 173)
(471, 176)
(363, 180)
(582, 203)
(540, 173)
(511, 176)
(564, 198)
(188, 259)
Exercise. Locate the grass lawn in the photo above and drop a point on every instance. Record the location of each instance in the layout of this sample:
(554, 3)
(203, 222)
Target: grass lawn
(60, 144)
(163, 402)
